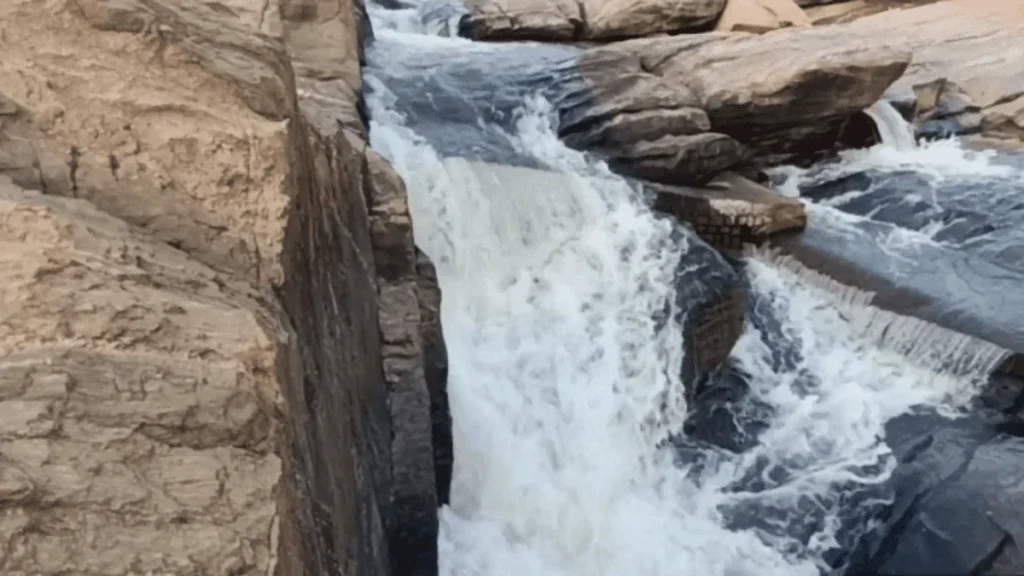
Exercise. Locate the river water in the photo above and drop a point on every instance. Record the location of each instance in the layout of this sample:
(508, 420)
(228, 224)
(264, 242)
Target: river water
(564, 326)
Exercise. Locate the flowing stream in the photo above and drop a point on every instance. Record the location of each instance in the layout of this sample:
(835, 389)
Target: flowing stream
(565, 344)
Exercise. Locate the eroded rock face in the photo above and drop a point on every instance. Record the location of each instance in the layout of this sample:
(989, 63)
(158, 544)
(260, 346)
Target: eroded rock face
(435, 359)
(162, 412)
(158, 140)
(976, 46)
(588, 19)
(138, 405)
(731, 212)
(712, 100)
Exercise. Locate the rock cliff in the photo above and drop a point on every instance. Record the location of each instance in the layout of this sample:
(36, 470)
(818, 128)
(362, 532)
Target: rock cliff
(588, 19)
(211, 356)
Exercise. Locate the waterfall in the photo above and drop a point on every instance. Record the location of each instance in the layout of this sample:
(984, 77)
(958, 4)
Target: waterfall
(564, 386)
(893, 130)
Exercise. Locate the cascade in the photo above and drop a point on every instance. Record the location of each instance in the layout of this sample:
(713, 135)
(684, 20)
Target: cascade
(564, 386)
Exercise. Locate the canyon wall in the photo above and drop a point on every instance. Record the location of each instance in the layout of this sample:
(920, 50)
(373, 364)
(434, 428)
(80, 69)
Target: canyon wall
(211, 347)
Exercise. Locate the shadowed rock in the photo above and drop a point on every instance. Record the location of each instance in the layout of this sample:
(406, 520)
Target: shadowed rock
(687, 159)
(731, 211)
(710, 301)
(435, 363)
(955, 498)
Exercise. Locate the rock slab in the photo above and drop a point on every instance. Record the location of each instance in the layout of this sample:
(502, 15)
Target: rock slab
(679, 110)
(210, 348)
(564, 20)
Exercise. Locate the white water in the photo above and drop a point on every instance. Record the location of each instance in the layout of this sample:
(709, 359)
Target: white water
(952, 179)
(893, 130)
(561, 386)
(936, 160)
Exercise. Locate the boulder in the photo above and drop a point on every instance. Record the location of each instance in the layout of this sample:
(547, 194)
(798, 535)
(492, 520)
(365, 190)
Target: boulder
(760, 16)
(711, 304)
(974, 47)
(692, 159)
(850, 10)
(587, 19)
(211, 352)
(940, 109)
(647, 96)
(651, 95)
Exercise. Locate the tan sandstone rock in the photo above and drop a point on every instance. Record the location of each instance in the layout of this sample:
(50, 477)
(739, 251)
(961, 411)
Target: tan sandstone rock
(161, 412)
(159, 141)
(760, 16)
(138, 411)
(817, 2)
(588, 19)
(843, 12)
(781, 97)
(967, 63)
(790, 96)
(975, 45)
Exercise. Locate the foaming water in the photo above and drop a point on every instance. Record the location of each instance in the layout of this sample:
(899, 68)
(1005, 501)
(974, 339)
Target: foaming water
(428, 18)
(935, 159)
(893, 130)
(968, 199)
(564, 388)
(947, 352)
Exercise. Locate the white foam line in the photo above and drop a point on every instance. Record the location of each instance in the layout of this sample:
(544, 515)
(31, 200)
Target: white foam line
(924, 343)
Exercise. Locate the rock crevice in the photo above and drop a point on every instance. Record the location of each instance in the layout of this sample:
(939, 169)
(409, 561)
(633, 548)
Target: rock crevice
(211, 348)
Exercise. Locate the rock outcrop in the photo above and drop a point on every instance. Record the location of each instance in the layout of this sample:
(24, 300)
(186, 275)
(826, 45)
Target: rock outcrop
(679, 110)
(760, 16)
(731, 212)
(211, 346)
(564, 20)
(138, 405)
(973, 47)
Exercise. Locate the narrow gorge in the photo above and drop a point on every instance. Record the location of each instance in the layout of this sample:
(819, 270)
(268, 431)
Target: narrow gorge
(502, 287)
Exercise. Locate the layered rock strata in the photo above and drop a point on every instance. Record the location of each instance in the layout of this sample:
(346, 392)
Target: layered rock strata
(680, 110)
(172, 168)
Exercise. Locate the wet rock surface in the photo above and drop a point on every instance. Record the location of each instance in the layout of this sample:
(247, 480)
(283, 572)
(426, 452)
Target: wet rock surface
(943, 286)
(949, 502)
(981, 213)
(955, 494)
